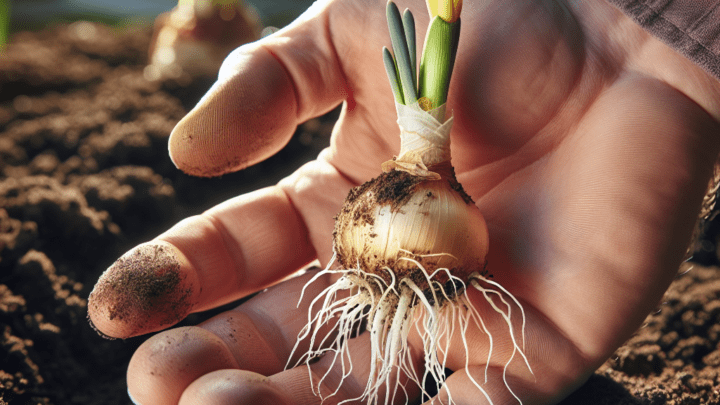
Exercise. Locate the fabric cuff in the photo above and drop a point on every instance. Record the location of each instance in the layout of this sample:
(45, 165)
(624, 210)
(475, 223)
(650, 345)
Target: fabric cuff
(691, 27)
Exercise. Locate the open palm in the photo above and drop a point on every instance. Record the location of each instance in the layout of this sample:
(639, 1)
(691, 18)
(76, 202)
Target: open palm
(586, 144)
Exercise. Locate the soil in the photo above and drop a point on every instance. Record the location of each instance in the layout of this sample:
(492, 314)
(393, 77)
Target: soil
(85, 176)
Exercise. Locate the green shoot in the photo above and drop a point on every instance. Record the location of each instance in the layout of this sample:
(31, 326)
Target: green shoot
(409, 25)
(402, 54)
(428, 84)
(391, 70)
(438, 59)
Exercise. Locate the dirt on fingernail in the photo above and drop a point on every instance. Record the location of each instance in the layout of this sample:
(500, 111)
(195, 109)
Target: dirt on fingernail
(143, 289)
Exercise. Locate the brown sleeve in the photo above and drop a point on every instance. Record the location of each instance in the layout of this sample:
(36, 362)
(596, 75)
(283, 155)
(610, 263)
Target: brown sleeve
(692, 27)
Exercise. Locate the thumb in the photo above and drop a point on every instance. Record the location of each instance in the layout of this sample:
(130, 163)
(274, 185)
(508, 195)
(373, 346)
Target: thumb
(264, 90)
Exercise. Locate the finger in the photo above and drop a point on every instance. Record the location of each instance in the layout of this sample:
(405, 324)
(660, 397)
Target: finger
(258, 336)
(235, 387)
(236, 248)
(202, 353)
(333, 380)
(265, 89)
(325, 382)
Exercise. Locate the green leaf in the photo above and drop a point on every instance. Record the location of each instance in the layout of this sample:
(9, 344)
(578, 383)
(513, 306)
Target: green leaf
(391, 70)
(437, 60)
(402, 55)
(409, 25)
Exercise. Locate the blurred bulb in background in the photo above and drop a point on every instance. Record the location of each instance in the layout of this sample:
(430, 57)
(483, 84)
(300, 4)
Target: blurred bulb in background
(195, 37)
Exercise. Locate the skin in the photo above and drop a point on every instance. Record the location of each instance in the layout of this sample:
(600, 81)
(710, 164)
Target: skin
(586, 143)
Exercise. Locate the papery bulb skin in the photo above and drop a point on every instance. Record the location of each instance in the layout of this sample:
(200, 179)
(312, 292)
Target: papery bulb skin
(398, 220)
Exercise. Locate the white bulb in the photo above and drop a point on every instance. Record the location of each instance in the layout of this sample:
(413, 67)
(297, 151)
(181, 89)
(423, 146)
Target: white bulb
(424, 221)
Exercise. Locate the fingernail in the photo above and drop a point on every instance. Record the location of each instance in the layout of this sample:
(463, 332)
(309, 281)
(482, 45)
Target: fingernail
(143, 291)
(132, 399)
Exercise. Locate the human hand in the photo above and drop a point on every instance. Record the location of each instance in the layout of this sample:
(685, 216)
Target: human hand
(586, 144)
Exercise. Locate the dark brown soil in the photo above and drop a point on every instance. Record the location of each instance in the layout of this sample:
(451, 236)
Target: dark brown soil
(84, 176)
(674, 358)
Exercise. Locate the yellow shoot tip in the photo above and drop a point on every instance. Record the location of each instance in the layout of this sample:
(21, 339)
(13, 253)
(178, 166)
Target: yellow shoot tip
(448, 10)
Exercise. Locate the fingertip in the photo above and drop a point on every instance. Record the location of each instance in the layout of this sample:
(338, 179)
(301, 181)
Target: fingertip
(264, 90)
(234, 387)
(248, 115)
(145, 290)
(167, 363)
(132, 399)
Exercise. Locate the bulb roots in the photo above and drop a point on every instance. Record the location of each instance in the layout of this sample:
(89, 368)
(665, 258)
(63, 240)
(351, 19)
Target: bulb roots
(389, 312)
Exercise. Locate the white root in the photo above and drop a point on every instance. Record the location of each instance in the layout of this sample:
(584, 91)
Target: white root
(388, 312)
